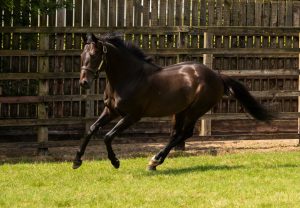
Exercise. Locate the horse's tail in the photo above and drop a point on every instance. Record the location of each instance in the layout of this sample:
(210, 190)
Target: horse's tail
(240, 92)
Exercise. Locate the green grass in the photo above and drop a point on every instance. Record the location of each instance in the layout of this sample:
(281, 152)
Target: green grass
(236, 180)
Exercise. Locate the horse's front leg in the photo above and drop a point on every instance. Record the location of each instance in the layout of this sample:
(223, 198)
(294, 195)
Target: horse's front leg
(123, 124)
(105, 117)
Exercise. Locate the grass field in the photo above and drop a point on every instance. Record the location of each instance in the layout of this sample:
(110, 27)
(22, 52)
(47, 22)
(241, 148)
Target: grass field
(233, 180)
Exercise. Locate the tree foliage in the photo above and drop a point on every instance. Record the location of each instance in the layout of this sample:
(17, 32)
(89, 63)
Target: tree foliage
(17, 8)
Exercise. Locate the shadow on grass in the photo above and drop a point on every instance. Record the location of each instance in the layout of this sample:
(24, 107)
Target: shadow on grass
(198, 168)
(282, 166)
(204, 168)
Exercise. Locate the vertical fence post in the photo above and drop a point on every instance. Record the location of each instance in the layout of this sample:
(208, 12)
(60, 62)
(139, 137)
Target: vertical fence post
(299, 90)
(43, 67)
(205, 129)
(89, 104)
(60, 60)
(42, 133)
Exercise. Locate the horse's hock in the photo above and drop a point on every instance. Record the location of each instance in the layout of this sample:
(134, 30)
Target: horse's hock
(257, 42)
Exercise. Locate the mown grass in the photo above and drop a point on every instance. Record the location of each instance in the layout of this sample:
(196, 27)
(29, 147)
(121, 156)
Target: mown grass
(236, 180)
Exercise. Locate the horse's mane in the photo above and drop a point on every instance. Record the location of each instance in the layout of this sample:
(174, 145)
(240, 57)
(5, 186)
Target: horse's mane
(129, 46)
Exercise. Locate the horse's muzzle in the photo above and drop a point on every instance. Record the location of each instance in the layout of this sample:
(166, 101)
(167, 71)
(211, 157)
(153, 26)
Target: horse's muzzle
(84, 84)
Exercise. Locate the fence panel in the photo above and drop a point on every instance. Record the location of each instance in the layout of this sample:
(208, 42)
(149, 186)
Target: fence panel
(254, 40)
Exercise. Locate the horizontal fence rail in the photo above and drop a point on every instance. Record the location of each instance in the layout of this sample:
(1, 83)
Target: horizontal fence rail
(162, 30)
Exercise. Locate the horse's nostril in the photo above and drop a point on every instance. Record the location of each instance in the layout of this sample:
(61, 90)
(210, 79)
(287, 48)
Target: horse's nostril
(84, 84)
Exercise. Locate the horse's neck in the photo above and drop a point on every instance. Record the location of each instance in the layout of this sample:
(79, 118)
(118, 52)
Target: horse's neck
(122, 68)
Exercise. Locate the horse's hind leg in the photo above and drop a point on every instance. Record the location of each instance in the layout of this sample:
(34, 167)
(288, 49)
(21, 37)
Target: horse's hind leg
(177, 129)
(186, 123)
(104, 119)
(183, 129)
(177, 139)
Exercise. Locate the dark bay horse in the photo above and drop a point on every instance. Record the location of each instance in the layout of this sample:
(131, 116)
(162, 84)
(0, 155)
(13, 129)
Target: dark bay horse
(136, 88)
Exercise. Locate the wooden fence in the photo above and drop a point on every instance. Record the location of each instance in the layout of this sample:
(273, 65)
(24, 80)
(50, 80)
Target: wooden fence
(256, 41)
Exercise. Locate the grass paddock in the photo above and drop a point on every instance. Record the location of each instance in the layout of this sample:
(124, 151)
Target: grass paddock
(232, 180)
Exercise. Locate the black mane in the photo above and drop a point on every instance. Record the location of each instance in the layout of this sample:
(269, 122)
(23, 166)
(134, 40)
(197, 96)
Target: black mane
(132, 48)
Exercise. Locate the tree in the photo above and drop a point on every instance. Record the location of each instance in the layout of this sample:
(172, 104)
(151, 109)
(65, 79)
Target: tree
(14, 8)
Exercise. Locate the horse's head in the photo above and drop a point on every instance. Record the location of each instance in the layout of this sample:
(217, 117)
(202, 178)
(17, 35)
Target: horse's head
(91, 60)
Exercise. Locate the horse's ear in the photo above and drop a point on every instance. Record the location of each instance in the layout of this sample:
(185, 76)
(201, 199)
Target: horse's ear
(89, 38)
(94, 38)
(84, 37)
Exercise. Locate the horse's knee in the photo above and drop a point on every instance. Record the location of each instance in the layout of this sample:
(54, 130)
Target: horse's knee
(107, 139)
(93, 128)
(189, 134)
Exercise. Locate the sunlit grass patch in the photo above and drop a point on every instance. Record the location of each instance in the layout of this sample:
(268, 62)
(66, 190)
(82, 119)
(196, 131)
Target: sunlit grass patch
(235, 180)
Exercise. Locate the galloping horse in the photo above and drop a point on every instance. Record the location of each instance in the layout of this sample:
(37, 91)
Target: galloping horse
(136, 88)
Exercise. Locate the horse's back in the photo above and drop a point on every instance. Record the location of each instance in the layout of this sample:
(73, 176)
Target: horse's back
(174, 66)
(196, 70)
(201, 68)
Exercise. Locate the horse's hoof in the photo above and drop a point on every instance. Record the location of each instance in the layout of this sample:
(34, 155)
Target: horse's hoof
(76, 164)
(116, 163)
(151, 168)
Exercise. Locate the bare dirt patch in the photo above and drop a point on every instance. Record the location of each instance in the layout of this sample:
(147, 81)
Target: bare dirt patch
(9, 153)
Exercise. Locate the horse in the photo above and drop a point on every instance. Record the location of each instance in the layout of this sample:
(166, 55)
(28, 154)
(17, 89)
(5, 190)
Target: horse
(137, 87)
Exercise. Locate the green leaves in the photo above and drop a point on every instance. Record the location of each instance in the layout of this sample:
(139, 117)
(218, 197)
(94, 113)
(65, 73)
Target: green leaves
(34, 7)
